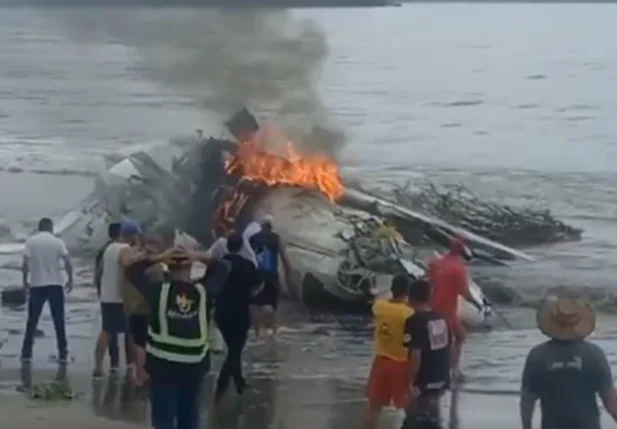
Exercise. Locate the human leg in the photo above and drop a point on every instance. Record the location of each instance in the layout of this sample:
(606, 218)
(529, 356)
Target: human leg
(55, 294)
(113, 323)
(36, 300)
(225, 372)
(273, 303)
(458, 338)
(114, 351)
(100, 348)
(189, 404)
(236, 358)
(164, 404)
(376, 392)
(139, 336)
(424, 412)
(128, 347)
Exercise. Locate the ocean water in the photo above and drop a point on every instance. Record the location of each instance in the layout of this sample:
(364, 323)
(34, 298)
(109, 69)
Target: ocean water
(514, 101)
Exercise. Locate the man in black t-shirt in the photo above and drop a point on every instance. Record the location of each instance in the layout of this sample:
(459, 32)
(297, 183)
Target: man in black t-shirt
(428, 341)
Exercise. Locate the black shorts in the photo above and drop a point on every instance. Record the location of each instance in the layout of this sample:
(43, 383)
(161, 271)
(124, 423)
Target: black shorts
(112, 315)
(138, 326)
(424, 411)
(421, 421)
(270, 292)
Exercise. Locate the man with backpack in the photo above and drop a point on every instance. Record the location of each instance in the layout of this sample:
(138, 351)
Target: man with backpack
(268, 248)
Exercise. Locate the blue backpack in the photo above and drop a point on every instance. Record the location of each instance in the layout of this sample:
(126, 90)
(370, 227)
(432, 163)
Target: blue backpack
(262, 253)
(264, 260)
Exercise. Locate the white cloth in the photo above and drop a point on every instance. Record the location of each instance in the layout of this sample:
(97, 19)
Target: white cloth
(250, 230)
(44, 251)
(112, 278)
(219, 247)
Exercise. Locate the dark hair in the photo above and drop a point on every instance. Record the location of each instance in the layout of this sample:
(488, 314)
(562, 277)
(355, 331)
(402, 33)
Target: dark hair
(234, 243)
(113, 230)
(400, 285)
(46, 224)
(420, 291)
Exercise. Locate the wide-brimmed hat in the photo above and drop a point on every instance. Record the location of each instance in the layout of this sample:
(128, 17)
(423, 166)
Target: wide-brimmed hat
(566, 318)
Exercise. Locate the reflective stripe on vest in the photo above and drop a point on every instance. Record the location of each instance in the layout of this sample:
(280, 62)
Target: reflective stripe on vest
(164, 338)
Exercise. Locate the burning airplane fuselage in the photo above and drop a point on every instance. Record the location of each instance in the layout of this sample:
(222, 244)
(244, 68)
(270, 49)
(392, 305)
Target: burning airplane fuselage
(341, 250)
(340, 255)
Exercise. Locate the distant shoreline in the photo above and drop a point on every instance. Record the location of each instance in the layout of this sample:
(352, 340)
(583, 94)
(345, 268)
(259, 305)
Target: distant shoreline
(196, 4)
(511, 1)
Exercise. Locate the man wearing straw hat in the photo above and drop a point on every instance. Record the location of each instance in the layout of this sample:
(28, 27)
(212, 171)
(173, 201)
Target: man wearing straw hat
(567, 372)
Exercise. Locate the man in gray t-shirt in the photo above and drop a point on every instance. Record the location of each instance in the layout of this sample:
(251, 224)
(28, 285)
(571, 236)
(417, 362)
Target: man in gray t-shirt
(567, 372)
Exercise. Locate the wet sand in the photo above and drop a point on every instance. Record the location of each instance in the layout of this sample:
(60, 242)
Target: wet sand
(271, 403)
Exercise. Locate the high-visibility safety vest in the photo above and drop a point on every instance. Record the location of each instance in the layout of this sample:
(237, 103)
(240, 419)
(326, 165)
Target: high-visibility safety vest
(178, 330)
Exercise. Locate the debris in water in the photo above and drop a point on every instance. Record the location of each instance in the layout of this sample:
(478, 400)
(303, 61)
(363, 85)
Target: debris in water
(499, 222)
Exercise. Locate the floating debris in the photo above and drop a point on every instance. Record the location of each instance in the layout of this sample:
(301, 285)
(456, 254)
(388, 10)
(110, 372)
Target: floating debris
(514, 226)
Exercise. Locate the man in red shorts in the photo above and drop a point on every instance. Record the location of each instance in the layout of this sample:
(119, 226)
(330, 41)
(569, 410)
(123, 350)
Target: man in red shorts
(449, 278)
(389, 377)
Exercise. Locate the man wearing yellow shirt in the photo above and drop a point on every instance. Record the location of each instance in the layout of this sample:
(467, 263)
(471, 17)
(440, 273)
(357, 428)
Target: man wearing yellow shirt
(389, 375)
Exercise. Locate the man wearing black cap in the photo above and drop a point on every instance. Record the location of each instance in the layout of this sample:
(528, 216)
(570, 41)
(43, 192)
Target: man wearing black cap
(177, 346)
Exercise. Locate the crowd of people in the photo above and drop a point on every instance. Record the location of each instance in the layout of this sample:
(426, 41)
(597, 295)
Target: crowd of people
(147, 292)
(418, 343)
(167, 316)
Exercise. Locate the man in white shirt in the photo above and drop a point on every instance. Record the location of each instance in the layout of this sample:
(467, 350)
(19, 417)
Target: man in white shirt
(42, 258)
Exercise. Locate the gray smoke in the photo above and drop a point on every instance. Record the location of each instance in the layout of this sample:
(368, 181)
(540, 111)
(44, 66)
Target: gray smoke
(268, 61)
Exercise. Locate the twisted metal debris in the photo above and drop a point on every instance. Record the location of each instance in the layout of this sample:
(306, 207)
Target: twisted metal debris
(513, 226)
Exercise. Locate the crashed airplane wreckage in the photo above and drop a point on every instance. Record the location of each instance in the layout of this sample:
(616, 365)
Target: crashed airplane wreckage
(345, 245)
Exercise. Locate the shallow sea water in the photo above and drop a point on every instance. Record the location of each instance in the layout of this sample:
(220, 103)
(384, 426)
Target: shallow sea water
(511, 100)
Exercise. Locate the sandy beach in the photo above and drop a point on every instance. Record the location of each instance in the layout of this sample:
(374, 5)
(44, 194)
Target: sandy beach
(282, 403)
(311, 376)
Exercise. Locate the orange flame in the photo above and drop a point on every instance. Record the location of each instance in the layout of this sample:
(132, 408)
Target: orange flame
(304, 171)
(253, 165)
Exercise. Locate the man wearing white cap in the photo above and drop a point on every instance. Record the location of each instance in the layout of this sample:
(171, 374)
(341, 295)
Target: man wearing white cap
(268, 248)
(567, 372)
